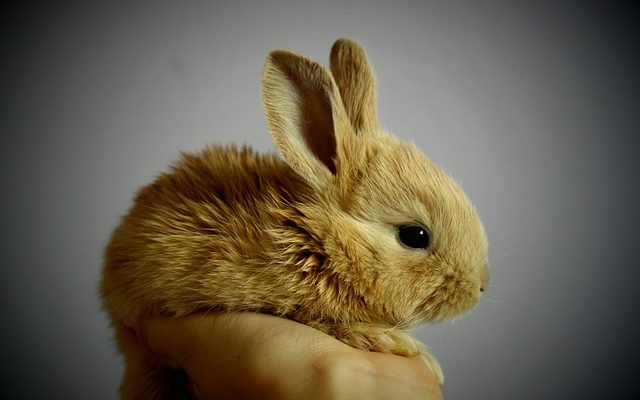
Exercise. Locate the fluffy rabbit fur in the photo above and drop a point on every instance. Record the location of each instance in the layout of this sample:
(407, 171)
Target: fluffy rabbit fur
(312, 237)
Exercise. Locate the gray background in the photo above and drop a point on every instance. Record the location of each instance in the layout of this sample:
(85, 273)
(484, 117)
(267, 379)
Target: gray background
(533, 107)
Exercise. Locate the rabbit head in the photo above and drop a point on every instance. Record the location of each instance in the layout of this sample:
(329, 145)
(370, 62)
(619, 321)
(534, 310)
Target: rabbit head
(405, 245)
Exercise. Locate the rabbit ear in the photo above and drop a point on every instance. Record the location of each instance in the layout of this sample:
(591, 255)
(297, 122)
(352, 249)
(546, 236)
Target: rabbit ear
(357, 84)
(304, 114)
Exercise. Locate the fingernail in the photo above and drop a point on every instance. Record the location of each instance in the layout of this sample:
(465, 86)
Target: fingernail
(193, 389)
(138, 328)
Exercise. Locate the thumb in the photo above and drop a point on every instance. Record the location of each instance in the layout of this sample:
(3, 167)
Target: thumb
(172, 337)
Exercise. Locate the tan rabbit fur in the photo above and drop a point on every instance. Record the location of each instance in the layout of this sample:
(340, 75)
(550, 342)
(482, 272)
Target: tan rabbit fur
(313, 237)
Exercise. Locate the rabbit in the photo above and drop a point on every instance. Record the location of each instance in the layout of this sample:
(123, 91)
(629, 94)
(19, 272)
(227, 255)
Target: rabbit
(352, 231)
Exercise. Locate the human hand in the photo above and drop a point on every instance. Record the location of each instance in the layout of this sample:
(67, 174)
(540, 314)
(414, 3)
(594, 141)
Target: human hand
(249, 355)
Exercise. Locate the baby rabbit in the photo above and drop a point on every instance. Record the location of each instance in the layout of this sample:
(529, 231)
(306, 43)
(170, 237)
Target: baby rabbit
(352, 232)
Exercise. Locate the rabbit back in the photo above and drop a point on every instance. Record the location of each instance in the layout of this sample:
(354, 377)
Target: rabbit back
(207, 236)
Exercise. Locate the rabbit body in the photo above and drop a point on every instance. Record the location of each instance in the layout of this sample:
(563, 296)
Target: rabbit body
(312, 237)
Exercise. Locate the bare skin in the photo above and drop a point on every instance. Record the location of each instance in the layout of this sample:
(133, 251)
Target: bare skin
(257, 356)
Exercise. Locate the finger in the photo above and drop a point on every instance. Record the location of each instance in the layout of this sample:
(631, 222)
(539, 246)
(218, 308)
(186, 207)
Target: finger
(175, 338)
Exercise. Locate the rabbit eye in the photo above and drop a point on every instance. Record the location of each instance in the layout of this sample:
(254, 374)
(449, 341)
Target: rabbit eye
(414, 236)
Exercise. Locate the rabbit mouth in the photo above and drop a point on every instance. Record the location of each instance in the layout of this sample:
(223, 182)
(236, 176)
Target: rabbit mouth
(452, 298)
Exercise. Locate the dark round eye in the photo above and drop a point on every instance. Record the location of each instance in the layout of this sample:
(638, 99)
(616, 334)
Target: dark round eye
(414, 236)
